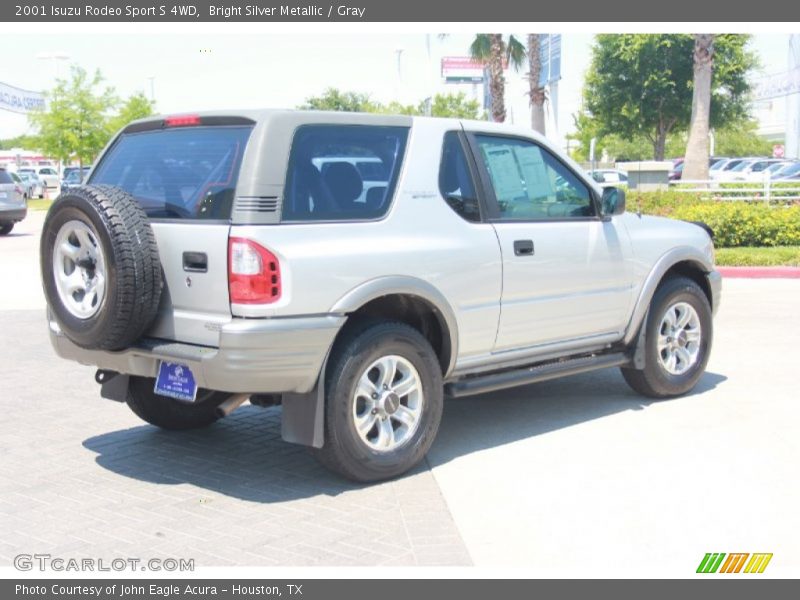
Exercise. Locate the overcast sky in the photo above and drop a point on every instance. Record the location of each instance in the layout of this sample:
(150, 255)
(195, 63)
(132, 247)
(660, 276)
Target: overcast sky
(245, 70)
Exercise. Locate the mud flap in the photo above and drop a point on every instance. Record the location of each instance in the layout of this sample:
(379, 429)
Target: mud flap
(639, 356)
(303, 419)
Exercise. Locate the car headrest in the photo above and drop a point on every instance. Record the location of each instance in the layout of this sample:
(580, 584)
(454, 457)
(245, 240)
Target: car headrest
(343, 181)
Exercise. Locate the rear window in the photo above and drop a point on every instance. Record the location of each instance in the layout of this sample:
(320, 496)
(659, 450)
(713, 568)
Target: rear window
(342, 172)
(182, 173)
(5, 177)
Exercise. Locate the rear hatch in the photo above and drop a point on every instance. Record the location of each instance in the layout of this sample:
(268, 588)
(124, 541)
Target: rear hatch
(183, 171)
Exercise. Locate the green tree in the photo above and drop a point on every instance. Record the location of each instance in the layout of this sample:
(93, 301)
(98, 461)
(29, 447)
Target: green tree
(741, 140)
(641, 84)
(617, 147)
(442, 105)
(137, 106)
(74, 124)
(334, 99)
(453, 105)
(21, 141)
(493, 50)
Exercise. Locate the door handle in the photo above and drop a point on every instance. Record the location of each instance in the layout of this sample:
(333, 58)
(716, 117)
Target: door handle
(523, 247)
(195, 262)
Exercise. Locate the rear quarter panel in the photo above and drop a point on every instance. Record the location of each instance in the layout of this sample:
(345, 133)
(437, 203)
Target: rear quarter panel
(420, 238)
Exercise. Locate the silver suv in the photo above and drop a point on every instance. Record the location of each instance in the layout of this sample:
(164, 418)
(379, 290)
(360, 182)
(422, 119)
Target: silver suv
(357, 269)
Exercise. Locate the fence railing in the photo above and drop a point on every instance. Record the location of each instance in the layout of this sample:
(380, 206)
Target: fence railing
(769, 191)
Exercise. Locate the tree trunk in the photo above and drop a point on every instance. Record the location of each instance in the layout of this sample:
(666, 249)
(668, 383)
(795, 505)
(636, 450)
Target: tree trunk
(497, 82)
(537, 95)
(695, 164)
(660, 143)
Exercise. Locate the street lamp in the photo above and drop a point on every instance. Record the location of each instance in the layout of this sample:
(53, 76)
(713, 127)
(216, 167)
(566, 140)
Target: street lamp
(152, 79)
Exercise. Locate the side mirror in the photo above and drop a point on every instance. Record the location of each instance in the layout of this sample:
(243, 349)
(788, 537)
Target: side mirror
(612, 202)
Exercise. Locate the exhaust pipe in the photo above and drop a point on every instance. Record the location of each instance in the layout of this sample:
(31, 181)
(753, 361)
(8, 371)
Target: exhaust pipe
(231, 404)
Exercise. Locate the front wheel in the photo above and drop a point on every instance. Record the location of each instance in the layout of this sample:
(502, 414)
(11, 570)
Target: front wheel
(168, 413)
(677, 341)
(383, 403)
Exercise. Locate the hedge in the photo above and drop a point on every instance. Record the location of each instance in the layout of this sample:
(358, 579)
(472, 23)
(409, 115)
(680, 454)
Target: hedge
(735, 223)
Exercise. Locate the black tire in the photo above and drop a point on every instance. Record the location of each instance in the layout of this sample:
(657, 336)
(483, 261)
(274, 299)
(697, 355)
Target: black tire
(5, 228)
(171, 414)
(344, 451)
(655, 381)
(133, 278)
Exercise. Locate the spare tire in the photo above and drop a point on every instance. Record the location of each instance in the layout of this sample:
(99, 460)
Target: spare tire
(100, 267)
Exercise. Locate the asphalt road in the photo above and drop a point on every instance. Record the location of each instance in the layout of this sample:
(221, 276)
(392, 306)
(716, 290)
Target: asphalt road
(575, 477)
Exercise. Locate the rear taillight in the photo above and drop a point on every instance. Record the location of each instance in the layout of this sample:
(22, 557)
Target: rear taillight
(181, 121)
(254, 273)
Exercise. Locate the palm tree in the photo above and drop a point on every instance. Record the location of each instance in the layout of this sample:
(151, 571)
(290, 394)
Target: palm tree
(536, 93)
(696, 160)
(492, 50)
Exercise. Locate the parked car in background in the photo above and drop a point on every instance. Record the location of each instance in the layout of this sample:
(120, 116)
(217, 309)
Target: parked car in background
(47, 175)
(721, 170)
(13, 205)
(787, 172)
(753, 170)
(72, 179)
(610, 177)
(677, 170)
(676, 174)
(32, 184)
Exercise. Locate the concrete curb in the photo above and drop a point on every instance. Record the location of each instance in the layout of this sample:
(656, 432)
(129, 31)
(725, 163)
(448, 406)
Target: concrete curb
(760, 272)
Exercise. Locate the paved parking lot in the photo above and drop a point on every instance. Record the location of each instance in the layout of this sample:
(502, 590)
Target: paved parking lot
(573, 477)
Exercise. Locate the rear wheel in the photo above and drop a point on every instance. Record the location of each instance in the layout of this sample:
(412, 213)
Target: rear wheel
(677, 341)
(383, 403)
(171, 414)
(5, 228)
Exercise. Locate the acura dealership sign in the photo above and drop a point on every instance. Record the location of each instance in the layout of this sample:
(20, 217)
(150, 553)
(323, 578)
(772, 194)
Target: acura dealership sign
(18, 100)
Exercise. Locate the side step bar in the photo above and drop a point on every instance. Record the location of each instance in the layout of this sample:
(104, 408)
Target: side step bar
(532, 374)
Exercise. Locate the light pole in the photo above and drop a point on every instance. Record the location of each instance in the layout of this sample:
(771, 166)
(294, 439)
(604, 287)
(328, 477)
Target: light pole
(399, 53)
(152, 80)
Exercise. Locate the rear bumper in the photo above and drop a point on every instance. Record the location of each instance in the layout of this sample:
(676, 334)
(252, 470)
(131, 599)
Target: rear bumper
(254, 355)
(13, 214)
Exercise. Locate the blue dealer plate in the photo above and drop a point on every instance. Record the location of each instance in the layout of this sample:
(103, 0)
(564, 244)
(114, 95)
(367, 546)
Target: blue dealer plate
(176, 381)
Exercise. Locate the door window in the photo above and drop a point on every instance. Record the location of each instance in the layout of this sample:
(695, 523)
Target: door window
(529, 183)
(455, 181)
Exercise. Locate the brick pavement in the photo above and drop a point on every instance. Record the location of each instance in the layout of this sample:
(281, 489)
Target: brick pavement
(83, 477)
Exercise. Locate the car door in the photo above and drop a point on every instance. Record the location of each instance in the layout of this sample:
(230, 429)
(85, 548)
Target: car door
(565, 277)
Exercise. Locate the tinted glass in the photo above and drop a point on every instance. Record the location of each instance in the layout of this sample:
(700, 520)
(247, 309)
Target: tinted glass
(342, 172)
(455, 181)
(5, 177)
(187, 173)
(530, 183)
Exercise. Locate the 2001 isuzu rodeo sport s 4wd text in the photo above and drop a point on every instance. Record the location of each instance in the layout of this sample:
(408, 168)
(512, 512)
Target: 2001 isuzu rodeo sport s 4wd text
(358, 269)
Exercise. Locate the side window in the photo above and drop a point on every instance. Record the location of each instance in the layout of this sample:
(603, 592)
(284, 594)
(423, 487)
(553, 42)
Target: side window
(455, 181)
(342, 172)
(530, 183)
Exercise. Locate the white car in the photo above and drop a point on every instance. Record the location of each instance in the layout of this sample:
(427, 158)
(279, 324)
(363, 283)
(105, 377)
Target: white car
(47, 175)
(610, 177)
(755, 170)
